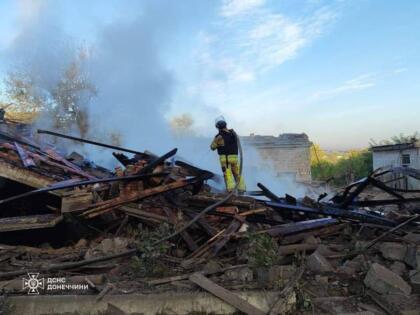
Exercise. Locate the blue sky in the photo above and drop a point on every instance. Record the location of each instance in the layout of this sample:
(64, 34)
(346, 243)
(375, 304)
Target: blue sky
(341, 71)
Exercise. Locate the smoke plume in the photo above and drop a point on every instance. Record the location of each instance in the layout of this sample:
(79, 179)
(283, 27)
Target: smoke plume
(124, 61)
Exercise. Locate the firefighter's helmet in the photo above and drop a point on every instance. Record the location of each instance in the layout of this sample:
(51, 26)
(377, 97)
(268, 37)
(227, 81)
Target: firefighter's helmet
(220, 122)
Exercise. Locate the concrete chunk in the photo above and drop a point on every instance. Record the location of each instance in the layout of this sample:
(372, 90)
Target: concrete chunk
(318, 263)
(283, 272)
(240, 274)
(413, 238)
(398, 267)
(357, 264)
(412, 257)
(415, 280)
(393, 251)
(384, 281)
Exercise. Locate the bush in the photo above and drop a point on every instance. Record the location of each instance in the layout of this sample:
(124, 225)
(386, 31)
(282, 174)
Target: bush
(148, 263)
(263, 250)
(352, 166)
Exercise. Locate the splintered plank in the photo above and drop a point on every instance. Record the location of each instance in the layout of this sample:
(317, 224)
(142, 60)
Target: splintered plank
(63, 167)
(186, 276)
(23, 175)
(327, 210)
(29, 222)
(328, 230)
(211, 231)
(225, 237)
(26, 160)
(296, 227)
(76, 200)
(192, 246)
(55, 156)
(105, 206)
(141, 214)
(203, 249)
(224, 294)
(238, 201)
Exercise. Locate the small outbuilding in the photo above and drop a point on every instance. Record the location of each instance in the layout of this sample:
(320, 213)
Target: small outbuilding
(399, 155)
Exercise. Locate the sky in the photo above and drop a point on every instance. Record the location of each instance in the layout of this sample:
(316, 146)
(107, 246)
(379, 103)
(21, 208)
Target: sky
(343, 72)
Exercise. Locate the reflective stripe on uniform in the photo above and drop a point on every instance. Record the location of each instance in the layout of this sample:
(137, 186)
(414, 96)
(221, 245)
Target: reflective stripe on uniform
(230, 167)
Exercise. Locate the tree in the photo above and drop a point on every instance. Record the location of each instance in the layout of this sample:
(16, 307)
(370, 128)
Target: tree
(401, 138)
(64, 104)
(70, 97)
(340, 168)
(25, 101)
(181, 125)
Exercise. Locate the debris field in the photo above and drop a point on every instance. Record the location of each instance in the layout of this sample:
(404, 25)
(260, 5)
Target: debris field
(155, 224)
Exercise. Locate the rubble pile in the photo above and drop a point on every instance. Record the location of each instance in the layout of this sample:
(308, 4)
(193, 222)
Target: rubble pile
(130, 230)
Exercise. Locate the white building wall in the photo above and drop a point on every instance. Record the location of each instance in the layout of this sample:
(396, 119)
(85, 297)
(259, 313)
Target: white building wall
(386, 158)
(393, 158)
(288, 161)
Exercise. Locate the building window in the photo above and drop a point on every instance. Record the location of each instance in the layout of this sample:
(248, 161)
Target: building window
(405, 159)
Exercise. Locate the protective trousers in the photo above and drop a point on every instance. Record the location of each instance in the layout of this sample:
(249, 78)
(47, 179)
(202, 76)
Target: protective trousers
(230, 168)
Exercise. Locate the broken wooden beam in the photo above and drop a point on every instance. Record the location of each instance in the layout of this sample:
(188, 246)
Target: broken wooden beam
(268, 193)
(225, 237)
(55, 156)
(211, 231)
(29, 222)
(26, 160)
(71, 184)
(205, 200)
(328, 230)
(107, 205)
(141, 214)
(67, 265)
(104, 145)
(334, 212)
(192, 246)
(225, 295)
(296, 227)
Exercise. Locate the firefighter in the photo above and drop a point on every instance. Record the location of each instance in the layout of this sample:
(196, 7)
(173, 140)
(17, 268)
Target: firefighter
(226, 143)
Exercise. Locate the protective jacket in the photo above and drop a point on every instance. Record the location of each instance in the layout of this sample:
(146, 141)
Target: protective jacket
(226, 144)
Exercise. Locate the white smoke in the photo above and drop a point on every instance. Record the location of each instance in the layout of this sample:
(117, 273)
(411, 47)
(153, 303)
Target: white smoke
(135, 87)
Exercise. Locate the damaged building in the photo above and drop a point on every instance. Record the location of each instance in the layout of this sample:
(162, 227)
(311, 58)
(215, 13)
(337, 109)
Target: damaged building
(152, 236)
(288, 154)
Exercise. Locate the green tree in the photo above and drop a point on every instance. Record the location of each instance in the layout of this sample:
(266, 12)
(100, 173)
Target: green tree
(340, 168)
(398, 139)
